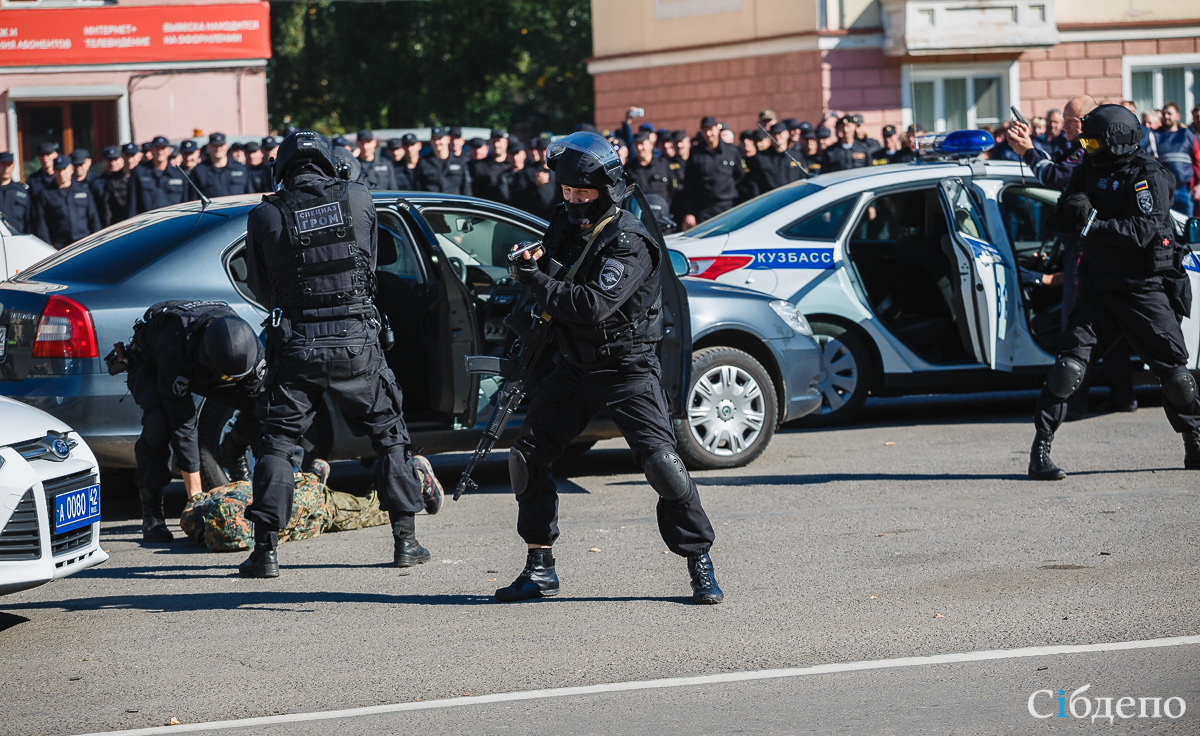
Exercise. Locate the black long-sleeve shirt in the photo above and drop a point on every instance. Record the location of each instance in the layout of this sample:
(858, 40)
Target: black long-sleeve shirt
(62, 216)
(711, 177)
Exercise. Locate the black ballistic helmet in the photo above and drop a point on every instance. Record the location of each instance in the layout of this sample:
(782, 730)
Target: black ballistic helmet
(228, 348)
(1110, 131)
(587, 161)
(303, 146)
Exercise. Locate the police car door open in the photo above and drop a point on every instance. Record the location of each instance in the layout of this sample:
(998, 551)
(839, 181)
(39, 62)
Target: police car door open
(984, 278)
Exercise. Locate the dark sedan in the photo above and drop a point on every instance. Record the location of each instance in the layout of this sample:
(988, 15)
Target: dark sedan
(442, 284)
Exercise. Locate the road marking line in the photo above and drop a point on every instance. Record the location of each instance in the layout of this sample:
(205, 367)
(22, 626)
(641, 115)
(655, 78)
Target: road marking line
(670, 682)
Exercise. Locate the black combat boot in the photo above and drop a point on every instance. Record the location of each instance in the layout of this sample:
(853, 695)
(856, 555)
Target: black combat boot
(1041, 467)
(704, 583)
(154, 523)
(263, 562)
(232, 456)
(1191, 449)
(537, 580)
(408, 552)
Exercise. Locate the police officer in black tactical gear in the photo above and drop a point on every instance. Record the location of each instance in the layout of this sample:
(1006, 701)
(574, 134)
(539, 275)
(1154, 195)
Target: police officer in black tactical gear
(608, 311)
(15, 201)
(220, 175)
(1131, 281)
(43, 177)
(488, 175)
(651, 173)
(850, 151)
(711, 176)
(181, 348)
(158, 184)
(440, 171)
(775, 166)
(311, 252)
(65, 211)
(377, 171)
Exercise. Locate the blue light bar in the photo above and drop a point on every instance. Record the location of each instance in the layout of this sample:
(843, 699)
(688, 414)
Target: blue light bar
(959, 144)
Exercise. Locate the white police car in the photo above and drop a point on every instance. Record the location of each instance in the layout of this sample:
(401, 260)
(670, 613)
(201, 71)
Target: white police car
(915, 278)
(49, 499)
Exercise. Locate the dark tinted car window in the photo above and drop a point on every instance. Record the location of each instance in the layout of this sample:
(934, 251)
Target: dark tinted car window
(143, 240)
(825, 224)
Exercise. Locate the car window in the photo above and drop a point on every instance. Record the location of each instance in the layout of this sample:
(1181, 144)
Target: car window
(902, 216)
(824, 224)
(754, 210)
(963, 211)
(396, 254)
(143, 240)
(1027, 212)
(477, 239)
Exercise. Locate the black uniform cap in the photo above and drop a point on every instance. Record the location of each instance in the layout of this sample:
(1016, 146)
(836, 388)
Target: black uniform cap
(707, 121)
(160, 140)
(44, 149)
(130, 148)
(823, 132)
(477, 143)
(641, 135)
(188, 146)
(778, 128)
(80, 155)
(112, 153)
(251, 147)
(497, 133)
(364, 135)
(217, 139)
(228, 348)
(146, 147)
(270, 142)
(6, 157)
(408, 139)
(889, 131)
(394, 143)
(515, 146)
(438, 132)
(456, 132)
(61, 163)
(679, 136)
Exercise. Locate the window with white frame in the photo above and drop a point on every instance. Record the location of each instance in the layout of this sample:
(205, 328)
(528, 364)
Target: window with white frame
(955, 98)
(1153, 81)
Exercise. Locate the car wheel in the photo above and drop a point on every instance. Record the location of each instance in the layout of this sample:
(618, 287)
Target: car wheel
(215, 422)
(845, 378)
(731, 410)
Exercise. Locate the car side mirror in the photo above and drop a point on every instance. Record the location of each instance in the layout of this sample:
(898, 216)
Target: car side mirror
(679, 263)
(1191, 231)
(465, 225)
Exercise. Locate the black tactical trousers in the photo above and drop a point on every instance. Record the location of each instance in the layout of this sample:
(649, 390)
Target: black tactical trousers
(365, 389)
(1098, 319)
(152, 451)
(563, 404)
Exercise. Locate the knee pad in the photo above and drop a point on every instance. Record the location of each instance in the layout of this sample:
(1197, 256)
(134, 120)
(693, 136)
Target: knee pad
(1179, 387)
(667, 475)
(518, 473)
(1065, 376)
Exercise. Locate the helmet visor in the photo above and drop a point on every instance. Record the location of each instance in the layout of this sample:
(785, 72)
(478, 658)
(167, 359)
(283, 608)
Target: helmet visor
(1090, 145)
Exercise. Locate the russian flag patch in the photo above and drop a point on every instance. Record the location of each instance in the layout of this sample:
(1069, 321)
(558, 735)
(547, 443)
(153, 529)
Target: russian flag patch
(1141, 186)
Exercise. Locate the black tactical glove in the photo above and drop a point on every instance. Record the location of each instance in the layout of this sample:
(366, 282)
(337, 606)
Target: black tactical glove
(522, 269)
(1076, 209)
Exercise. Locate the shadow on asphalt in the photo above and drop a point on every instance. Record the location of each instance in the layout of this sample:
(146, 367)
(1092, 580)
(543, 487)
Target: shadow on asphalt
(270, 600)
(9, 620)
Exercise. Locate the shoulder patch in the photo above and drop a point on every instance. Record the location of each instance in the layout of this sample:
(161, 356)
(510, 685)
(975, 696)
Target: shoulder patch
(611, 273)
(1145, 201)
(181, 387)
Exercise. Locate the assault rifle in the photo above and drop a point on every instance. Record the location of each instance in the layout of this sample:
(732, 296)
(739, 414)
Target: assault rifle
(515, 369)
(531, 342)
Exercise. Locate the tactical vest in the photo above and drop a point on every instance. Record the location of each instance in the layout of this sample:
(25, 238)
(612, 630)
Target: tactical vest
(637, 322)
(1119, 194)
(331, 277)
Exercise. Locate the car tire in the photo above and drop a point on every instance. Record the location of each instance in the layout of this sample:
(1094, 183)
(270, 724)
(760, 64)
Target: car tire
(731, 410)
(845, 377)
(215, 420)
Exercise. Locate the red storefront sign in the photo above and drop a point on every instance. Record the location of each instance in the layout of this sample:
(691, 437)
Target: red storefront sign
(117, 35)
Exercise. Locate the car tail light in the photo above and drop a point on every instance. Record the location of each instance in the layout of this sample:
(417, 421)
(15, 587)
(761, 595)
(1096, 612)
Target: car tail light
(65, 331)
(710, 268)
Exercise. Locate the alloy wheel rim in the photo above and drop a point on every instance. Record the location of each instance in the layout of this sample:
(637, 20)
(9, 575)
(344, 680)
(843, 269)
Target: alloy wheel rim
(726, 410)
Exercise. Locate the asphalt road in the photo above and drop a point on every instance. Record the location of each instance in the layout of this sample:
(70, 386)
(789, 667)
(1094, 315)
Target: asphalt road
(912, 533)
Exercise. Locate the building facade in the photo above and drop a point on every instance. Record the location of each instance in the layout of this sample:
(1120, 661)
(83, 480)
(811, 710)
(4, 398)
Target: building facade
(944, 64)
(92, 74)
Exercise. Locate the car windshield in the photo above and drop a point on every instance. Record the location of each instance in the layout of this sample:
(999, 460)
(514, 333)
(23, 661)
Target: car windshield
(754, 210)
(97, 259)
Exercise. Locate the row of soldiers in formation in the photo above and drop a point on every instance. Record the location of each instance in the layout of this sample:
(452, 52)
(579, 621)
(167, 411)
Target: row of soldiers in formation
(697, 176)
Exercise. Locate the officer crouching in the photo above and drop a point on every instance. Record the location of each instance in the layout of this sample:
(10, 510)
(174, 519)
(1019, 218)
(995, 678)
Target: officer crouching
(311, 256)
(609, 315)
(1130, 281)
(179, 349)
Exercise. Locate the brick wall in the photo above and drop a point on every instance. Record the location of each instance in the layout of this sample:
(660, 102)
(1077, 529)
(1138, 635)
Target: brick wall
(732, 91)
(1050, 77)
